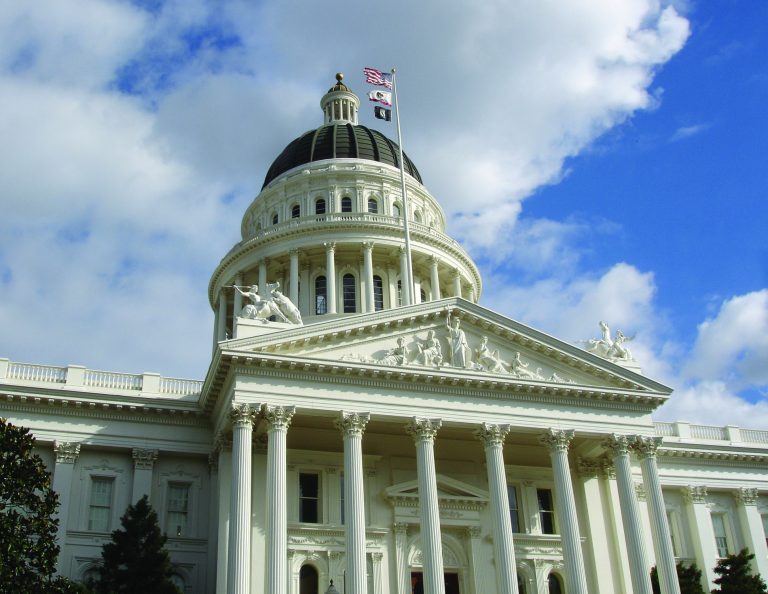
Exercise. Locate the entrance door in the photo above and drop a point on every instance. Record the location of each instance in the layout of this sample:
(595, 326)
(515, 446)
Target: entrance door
(451, 583)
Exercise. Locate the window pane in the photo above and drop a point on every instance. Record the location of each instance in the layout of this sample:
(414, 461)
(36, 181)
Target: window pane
(546, 511)
(514, 514)
(399, 292)
(373, 206)
(295, 211)
(309, 497)
(321, 296)
(346, 204)
(274, 219)
(721, 540)
(396, 210)
(672, 533)
(100, 507)
(378, 293)
(178, 509)
(350, 301)
(320, 206)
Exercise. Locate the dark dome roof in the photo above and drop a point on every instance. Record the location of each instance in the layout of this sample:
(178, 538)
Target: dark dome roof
(339, 141)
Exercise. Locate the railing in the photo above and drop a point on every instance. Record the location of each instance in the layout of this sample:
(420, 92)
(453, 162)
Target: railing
(754, 436)
(711, 433)
(115, 381)
(172, 385)
(665, 429)
(30, 372)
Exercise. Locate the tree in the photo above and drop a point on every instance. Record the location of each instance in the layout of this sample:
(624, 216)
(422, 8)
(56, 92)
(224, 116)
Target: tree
(688, 576)
(736, 575)
(28, 548)
(135, 560)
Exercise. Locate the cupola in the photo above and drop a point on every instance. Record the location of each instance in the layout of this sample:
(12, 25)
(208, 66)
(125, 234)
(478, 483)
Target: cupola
(340, 104)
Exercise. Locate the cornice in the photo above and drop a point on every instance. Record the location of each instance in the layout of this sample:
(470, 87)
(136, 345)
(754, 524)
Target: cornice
(719, 457)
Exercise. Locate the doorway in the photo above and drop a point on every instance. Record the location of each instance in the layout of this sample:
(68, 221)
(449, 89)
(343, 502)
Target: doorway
(451, 583)
(308, 580)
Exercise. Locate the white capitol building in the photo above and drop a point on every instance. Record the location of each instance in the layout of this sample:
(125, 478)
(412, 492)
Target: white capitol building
(394, 444)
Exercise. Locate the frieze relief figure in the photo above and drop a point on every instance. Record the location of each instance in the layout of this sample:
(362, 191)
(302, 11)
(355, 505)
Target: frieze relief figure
(489, 360)
(459, 348)
(430, 351)
(609, 348)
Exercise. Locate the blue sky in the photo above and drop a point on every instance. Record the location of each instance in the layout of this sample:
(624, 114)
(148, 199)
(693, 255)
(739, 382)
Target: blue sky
(600, 159)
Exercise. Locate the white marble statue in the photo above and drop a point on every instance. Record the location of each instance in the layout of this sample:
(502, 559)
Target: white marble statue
(286, 306)
(262, 309)
(520, 369)
(397, 356)
(608, 348)
(458, 341)
(430, 351)
(489, 360)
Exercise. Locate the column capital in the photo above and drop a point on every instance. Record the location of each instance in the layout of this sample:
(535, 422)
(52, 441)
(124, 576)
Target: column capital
(243, 414)
(423, 429)
(557, 440)
(695, 493)
(223, 441)
(401, 250)
(352, 423)
(492, 435)
(367, 246)
(329, 246)
(213, 462)
(143, 459)
(293, 252)
(474, 532)
(618, 445)
(279, 417)
(746, 496)
(434, 260)
(646, 447)
(66, 451)
(400, 527)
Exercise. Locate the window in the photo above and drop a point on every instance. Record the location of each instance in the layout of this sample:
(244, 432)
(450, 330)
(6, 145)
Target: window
(378, 293)
(521, 585)
(275, 219)
(341, 496)
(514, 509)
(321, 296)
(295, 211)
(673, 533)
(396, 211)
(308, 580)
(399, 293)
(100, 508)
(178, 509)
(546, 511)
(422, 296)
(349, 290)
(346, 204)
(373, 205)
(320, 206)
(721, 538)
(309, 497)
(417, 216)
(554, 584)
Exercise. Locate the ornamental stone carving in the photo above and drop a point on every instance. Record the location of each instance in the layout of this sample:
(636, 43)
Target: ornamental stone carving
(640, 492)
(143, 459)
(430, 351)
(646, 447)
(695, 493)
(557, 439)
(352, 424)
(423, 429)
(274, 305)
(243, 414)
(492, 435)
(66, 452)
(618, 445)
(746, 496)
(613, 349)
(400, 527)
(279, 417)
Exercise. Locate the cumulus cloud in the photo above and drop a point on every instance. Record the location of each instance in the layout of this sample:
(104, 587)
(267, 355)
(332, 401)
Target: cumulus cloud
(688, 131)
(713, 403)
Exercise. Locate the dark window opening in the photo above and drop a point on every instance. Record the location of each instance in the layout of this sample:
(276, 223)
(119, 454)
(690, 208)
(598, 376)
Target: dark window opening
(546, 511)
(349, 292)
(275, 219)
(514, 510)
(346, 204)
(320, 206)
(378, 293)
(309, 497)
(555, 587)
(295, 211)
(309, 581)
(321, 296)
(373, 205)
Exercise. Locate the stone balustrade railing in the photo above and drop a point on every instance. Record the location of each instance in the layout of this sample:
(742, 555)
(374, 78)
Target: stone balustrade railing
(76, 375)
(729, 433)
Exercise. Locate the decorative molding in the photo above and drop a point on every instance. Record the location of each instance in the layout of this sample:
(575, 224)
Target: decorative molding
(143, 459)
(492, 435)
(618, 445)
(278, 417)
(557, 440)
(423, 429)
(352, 424)
(400, 528)
(474, 532)
(746, 496)
(66, 451)
(589, 467)
(695, 493)
(243, 414)
(646, 447)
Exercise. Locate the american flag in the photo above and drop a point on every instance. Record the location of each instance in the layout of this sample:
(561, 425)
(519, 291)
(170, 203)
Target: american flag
(374, 76)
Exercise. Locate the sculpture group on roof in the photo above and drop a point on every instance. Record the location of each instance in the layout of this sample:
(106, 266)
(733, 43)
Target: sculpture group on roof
(276, 305)
(613, 349)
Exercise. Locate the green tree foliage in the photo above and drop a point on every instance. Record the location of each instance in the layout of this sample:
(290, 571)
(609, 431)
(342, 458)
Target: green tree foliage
(736, 577)
(136, 560)
(28, 548)
(688, 576)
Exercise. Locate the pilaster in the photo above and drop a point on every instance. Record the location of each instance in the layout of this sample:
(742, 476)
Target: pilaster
(66, 456)
(143, 463)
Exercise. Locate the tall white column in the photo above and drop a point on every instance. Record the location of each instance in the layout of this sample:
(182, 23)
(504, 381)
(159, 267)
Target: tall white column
(423, 432)
(702, 532)
(278, 419)
(472, 294)
(646, 447)
(405, 294)
(434, 278)
(143, 463)
(557, 442)
(221, 318)
(330, 275)
(352, 426)
(752, 528)
(66, 456)
(493, 437)
(239, 560)
(456, 283)
(294, 278)
(224, 448)
(263, 276)
(619, 445)
(368, 272)
(238, 307)
(303, 305)
(401, 561)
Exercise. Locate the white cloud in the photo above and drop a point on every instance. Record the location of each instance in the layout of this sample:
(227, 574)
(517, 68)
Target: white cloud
(688, 131)
(713, 403)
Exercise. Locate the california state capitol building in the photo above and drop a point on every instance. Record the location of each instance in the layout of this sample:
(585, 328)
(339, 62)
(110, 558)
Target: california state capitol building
(386, 436)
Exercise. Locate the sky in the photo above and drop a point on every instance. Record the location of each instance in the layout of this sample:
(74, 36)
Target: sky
(599, 159)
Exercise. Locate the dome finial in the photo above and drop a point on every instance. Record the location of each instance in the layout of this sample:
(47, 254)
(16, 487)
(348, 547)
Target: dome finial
(339, 76)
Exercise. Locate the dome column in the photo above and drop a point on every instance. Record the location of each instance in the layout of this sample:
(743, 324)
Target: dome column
(304, 295)
(456, 283)
(434, 279)
(294, 277)
(221, 317)
(404, 292)
(368, 272)
(330, 273)
(238, 302)
(262, 276)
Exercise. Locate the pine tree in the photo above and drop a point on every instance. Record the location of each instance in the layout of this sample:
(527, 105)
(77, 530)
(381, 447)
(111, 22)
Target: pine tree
(736, 575)
(136, 560)
(688, 576)
(28, 548)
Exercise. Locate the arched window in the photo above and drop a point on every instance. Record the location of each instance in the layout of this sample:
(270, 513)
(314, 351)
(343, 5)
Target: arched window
(320, 206)
(349, 290)
(346, 204)
(378, 293)
(179, 582)
(396, 210)
(521, 584)
(308, 580)
(417, 216)
(555, 586)
(399, 292)
(423, 296)
(373, 205)
(321, 296)
(275, 219)
(295, 211)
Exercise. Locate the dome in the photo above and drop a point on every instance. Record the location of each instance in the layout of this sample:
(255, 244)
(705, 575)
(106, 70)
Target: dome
(339, 141)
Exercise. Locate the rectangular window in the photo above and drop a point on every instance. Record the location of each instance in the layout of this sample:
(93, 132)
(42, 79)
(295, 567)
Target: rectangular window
(514, 510)
(349, 292)
(673, 533)
(309, 497)
(546, 511)
(341, 496)
(100, 507)
(721, 538)
(399, 293)
(378, 293)
(178, 509)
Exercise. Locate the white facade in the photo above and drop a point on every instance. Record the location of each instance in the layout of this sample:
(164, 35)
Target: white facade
(380, 445)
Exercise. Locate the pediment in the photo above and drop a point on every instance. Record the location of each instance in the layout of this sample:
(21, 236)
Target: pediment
(450, 492)
(423, 340)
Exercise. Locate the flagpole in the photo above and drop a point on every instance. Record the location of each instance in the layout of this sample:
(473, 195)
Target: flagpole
(408, 281)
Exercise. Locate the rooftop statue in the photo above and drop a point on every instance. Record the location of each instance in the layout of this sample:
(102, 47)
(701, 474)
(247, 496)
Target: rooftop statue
(277, 305)
(608, 348)
(458, 341)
